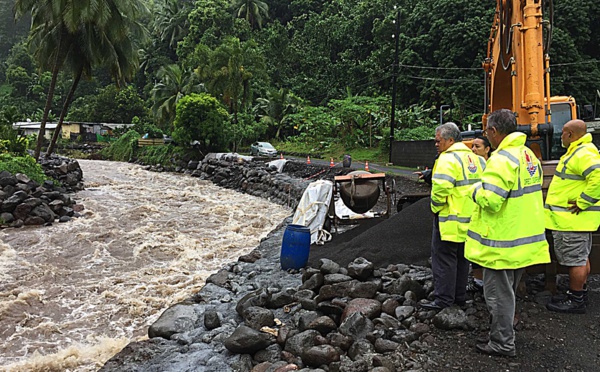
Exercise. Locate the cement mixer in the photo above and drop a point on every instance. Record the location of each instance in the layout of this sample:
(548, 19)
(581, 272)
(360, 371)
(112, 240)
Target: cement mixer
(359, 192)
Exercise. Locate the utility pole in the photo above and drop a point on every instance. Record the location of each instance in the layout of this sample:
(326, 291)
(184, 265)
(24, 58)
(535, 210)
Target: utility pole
(394, 85)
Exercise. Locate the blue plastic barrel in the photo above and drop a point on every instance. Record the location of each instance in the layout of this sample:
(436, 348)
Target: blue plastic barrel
(295, 247)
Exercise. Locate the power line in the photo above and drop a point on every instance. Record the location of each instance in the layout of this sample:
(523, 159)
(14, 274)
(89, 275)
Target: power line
(481, 68)
(441, 79)
(441, 68)
(575, 63)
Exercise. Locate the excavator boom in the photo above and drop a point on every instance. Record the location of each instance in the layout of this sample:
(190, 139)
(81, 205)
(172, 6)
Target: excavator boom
(517, 69)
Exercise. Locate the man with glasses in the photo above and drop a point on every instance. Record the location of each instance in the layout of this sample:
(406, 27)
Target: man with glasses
(455, 170)
(507, 231)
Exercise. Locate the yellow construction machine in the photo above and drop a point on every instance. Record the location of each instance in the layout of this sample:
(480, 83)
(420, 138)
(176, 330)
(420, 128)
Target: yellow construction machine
(517, 69)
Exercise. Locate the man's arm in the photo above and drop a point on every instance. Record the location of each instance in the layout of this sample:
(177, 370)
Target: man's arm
(497, 180)
(590, 169)
(442, 182)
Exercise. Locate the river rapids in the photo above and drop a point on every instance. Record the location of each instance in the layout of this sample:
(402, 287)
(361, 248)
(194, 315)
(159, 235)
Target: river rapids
(72, 295)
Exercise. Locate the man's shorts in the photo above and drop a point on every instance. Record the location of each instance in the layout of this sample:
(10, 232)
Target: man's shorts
(572, 248)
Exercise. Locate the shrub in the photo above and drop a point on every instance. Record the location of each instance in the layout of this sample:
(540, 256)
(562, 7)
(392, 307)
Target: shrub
(23, 164)
(17, 145)
(415, 134)
(201, 118)
(124, 148)
(166, 155)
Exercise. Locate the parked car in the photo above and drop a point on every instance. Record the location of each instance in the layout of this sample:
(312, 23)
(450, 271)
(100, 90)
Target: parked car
(263, 149)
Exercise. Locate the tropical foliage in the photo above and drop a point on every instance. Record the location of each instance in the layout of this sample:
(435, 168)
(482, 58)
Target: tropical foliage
(22, 164)
(200, 121)
(289, 70)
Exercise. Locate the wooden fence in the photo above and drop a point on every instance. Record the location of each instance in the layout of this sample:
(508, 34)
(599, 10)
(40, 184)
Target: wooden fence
(150, 142)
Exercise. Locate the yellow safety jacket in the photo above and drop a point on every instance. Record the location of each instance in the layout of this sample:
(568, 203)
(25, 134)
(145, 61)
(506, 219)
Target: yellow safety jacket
(576, 179)
(454, 172)
(507, 229)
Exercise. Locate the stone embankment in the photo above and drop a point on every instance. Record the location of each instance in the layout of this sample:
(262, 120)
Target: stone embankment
(253, 316)
(255, 178)
(26, 202)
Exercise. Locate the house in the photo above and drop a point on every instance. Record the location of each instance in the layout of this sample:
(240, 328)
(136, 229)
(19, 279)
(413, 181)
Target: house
(26, 128)
(87, 132)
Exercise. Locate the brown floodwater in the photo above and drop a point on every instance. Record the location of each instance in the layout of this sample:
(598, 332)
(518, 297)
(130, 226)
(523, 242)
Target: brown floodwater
(74, 294)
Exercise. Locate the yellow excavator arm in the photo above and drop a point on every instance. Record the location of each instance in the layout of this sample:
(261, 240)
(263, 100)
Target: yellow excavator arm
(517, 69)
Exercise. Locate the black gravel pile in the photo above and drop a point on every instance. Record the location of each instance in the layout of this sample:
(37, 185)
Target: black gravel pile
(403, 238)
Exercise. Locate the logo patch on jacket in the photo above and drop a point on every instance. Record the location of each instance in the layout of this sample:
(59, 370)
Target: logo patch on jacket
(531, 168)
(471, 166)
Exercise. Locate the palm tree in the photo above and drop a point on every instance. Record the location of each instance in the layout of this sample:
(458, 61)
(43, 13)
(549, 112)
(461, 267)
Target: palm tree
(56, 25)
(229, 72)
(274, 109)
(95, 46)
(171, 21)
(174, 83)
(254, 11)
(47, 22)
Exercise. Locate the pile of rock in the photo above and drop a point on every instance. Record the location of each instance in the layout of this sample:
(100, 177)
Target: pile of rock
(254, 178)
(65, 170)
(356, 318)
(253, 316)
(26, 202)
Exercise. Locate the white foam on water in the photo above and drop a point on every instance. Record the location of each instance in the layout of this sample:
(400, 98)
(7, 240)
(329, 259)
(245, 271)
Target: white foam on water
(77, 357)
(72, 295)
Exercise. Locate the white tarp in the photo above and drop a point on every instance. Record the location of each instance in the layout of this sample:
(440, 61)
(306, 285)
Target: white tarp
(279, 163)
(343, 212)
(312, 209)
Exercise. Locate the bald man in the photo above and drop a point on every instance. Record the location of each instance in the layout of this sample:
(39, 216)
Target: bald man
(572, 212)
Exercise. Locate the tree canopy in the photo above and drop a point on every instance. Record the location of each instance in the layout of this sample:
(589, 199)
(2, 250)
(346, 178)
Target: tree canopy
(281, 68)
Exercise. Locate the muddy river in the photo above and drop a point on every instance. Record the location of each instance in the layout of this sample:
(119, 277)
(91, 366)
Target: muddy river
(73, 294)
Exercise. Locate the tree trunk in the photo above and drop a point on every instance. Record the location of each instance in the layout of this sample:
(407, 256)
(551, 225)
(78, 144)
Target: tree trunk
(63, 113)
(42, 132)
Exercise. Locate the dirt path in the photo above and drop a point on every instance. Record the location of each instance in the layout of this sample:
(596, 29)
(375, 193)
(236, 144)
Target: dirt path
(546, 341)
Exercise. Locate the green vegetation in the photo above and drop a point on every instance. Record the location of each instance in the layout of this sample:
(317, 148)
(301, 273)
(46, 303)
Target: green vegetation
(124, 148)
(200, 118)
(164, 155)
(315, 76)
(23, 164)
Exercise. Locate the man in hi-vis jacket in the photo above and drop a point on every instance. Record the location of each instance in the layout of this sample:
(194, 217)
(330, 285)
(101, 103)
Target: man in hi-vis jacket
(573, 213)
(455, 171)
(507, 231)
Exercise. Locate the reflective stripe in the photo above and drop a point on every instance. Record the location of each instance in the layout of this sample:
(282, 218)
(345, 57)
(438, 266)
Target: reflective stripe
(475, 192)
(569, 176)
(437, 204)
(482, 162)
(556, 208)
(509, 156)
(496, 190)
(591, 169)
(462, 167)
(525, 190)
(573, 154)
(589, 198)
(563, 171)
(506, 243)
(467, 182)
(444, 177)
(455, 218)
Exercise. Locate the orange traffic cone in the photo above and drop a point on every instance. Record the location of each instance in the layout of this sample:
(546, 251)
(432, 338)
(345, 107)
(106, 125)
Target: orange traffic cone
(308, 160)
(331, 163)
(281, 155)
(367, 165)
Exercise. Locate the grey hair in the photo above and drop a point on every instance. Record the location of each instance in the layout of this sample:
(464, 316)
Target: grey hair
(449, 130)
(503, 120)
